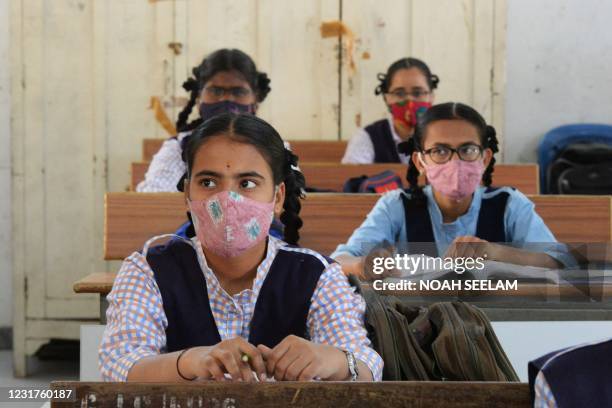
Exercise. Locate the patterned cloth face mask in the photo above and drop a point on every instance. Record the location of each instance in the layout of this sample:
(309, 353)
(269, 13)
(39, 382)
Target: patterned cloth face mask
(229, 223)
(456, 179)
(407, 113)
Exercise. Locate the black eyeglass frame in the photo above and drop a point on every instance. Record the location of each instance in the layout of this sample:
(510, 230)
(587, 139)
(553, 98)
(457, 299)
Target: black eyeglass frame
(454, 151)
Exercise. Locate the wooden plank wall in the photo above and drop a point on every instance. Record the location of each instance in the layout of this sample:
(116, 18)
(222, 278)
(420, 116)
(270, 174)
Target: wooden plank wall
(467, 55)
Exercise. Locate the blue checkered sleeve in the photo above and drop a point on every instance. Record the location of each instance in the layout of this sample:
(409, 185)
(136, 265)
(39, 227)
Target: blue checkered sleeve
(544, 397)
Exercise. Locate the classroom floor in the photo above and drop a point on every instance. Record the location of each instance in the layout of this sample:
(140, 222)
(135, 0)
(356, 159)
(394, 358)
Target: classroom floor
(42, 373)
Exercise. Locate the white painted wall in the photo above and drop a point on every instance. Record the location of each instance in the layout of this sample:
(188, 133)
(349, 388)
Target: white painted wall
(6, 298)
(558, 67)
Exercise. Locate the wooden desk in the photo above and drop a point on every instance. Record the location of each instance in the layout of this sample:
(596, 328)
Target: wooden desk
(298, 394)
(329, 219)
(307, 150)
(531, 302)
(332, 176)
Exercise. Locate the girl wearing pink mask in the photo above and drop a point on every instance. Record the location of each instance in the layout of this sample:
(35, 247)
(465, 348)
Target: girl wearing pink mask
(233, 302)
(227, 80)
(407, 90)
(457, 212)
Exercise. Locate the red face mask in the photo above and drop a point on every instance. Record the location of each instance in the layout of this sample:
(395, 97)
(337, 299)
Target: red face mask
(407, 113)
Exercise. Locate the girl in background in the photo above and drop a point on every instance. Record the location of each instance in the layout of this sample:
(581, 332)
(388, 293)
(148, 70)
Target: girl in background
(407, 90)
(226, 81)
(458, 212)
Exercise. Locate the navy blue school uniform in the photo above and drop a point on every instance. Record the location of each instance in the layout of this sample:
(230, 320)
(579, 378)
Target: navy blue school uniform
(376, 143)
(167, 298)
(496, 214)
(575, 377)
(281, 309)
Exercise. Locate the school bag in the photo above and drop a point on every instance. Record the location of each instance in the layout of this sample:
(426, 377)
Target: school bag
(444, 341)
(379, 183)
(582, 168)
(556, 140)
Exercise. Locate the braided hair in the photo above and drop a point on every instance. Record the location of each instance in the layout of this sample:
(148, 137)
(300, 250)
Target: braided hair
(284, 163)
(446, 111)
(405, 63)
(225, 59)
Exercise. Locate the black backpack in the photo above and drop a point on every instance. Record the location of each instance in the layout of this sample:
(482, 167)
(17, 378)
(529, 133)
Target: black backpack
(378, 183)
(582, 168)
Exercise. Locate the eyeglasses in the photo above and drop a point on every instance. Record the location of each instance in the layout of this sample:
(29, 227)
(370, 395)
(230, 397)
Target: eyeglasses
(402, 94)
(442, 154)
(237, 92)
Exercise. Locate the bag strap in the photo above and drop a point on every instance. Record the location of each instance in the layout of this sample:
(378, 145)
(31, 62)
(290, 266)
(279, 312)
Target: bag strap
(418, 226)
(490, 225)
(503, 362)
(381, 334)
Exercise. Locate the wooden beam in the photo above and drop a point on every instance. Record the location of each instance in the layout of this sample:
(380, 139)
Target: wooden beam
(332, 176)
(423, 394)
(523, 177)
(329, 219)
(100, 282)
(307, 150)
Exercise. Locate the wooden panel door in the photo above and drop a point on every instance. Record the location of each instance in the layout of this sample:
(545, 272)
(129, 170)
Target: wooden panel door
(82, 73)
(284, 39)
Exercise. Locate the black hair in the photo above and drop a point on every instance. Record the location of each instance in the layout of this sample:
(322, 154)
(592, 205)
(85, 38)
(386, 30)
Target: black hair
(446, 111)
(284, 164)
(405, 63)
(225, 59)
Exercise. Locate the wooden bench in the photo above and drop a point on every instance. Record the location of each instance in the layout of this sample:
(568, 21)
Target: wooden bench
(330, 176)
(329, 219)
(308, 150)
(423, 394)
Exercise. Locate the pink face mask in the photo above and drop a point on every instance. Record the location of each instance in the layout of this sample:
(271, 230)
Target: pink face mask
(455, 179)
(229, 223)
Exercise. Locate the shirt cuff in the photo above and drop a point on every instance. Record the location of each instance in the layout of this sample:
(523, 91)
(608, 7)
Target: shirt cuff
(560, 253)
(369, 357)
(117, 370)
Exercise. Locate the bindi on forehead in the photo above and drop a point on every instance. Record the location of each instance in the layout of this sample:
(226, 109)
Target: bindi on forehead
(227, 166)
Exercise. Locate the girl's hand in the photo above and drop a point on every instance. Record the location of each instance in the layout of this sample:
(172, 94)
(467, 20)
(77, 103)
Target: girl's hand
(297, 359)
(385, 251)
(351, 265)
(472, 247)
(224, 357)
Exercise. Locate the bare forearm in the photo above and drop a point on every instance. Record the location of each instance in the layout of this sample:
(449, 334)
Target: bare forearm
(342, 372)
(364, 372)
(159, 368)
(163, 368)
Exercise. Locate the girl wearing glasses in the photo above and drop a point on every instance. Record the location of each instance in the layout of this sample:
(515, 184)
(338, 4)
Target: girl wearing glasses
(226, 81)
(457, 210)
(407, 90)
